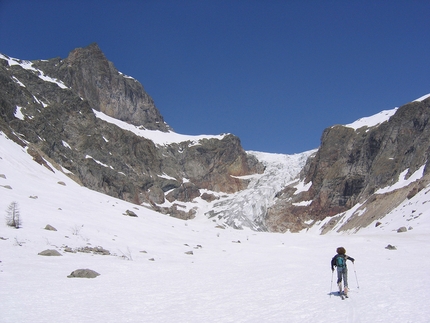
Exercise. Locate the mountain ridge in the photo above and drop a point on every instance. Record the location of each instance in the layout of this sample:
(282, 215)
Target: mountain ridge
(81, 116)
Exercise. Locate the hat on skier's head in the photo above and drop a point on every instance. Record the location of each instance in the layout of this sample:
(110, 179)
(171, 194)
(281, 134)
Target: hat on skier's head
(341, 250)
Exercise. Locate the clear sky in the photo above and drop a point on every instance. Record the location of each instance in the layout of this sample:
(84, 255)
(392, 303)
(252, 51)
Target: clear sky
(274, 73)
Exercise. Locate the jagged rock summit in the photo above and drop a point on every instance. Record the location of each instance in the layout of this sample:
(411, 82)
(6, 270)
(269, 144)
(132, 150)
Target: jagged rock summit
(81, 116)
(88, 72)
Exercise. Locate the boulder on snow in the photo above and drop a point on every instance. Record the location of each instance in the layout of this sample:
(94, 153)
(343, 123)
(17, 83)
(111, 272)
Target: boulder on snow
(402, 229)
(209, 197)
(100, 251)
(390, 247)
(50, 228)
(68, 249)
(94, 250)
(130, 213)
(49, 252)
(83, 273)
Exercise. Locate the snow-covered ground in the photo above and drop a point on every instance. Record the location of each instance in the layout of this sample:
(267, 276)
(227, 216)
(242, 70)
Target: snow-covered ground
(232, 275)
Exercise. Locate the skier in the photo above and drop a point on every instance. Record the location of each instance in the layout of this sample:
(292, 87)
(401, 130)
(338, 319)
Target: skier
(339, 261)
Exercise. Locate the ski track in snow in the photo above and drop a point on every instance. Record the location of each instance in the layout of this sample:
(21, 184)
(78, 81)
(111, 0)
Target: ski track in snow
(235, 276)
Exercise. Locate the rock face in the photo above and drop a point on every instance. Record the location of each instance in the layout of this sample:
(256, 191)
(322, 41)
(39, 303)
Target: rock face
(351, 165)
(93, 77)
(48, 106)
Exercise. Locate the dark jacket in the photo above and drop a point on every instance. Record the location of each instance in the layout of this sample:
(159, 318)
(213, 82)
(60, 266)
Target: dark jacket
(333, 260)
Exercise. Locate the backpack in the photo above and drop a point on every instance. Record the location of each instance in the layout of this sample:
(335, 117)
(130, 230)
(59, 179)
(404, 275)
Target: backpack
(340, 261)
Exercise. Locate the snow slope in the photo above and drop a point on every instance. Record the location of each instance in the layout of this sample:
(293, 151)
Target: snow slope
(158, 137)
(420, 99)
(29, 66)
(232, 275)
(378, 118)
(372, 121)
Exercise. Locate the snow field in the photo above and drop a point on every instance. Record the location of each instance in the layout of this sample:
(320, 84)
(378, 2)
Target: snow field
(260, 279)
(232, 276)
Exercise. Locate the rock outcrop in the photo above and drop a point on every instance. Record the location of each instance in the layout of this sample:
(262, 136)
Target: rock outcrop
(351, 165)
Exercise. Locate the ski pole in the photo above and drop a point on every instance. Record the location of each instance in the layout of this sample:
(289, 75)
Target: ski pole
(356, 279)
(331, 284)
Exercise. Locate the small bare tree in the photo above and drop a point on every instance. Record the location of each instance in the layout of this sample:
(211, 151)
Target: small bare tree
(13, 217)
(127, 255)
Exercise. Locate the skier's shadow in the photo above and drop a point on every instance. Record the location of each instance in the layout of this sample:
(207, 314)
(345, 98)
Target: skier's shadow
(334, 294)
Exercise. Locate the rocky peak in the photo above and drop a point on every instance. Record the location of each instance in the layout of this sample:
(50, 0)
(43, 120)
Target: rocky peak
(88, 72)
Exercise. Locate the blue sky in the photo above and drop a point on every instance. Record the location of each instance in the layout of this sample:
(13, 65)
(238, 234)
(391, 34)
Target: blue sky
(274, 73)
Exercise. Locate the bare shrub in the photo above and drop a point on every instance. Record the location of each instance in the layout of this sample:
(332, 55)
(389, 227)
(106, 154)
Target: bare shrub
(13, 216)
(127, 255)
(76, 229)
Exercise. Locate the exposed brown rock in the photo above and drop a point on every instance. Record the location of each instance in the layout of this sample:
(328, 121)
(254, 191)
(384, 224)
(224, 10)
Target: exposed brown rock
(351, 165)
